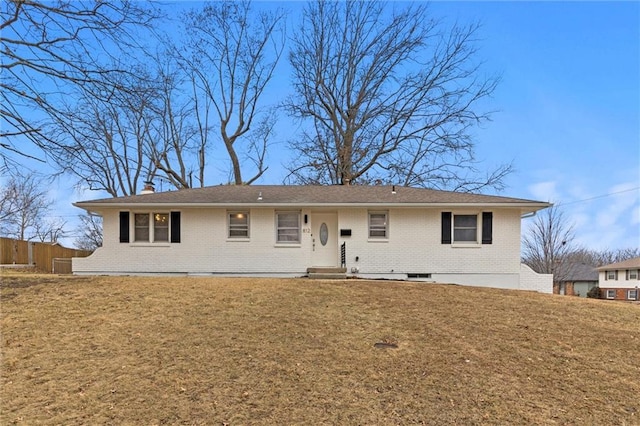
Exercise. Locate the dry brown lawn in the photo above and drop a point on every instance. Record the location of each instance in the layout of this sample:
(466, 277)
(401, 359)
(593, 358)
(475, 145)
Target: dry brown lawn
(235, 351)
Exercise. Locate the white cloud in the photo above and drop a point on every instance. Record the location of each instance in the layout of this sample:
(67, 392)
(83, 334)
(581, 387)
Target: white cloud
(545, 191)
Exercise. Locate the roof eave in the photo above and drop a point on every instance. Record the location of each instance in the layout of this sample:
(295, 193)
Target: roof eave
(524, 207)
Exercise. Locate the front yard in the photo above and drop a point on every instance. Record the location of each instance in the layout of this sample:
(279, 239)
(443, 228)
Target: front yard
(133, 350)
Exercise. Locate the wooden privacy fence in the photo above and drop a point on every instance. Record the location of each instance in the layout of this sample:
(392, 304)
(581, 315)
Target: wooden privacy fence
(45, 257)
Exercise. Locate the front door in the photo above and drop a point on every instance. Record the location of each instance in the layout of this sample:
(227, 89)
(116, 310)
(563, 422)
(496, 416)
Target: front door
(324, 235)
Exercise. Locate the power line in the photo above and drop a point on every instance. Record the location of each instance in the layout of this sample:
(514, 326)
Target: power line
(599, 196)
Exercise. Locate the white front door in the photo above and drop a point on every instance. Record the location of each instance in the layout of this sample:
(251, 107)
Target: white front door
(324, 235)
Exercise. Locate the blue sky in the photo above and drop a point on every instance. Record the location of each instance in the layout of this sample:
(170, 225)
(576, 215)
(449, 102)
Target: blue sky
(568, 110)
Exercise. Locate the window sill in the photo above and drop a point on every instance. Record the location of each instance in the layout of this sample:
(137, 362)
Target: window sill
(238, 240)
(466, 245)
(377, 240)
(162, 244)
(286, 245)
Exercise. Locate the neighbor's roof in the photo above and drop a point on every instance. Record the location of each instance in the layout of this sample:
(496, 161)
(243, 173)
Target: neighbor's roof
(309, 196)
(580, 272)
(626, 264)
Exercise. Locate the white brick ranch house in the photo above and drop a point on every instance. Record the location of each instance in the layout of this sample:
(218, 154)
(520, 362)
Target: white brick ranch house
(363, 231)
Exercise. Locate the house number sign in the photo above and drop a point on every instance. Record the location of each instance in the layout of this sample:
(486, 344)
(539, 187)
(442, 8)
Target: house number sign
(324, 234)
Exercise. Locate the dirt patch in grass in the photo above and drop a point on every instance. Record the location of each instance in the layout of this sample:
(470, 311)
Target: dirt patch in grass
(143, 350)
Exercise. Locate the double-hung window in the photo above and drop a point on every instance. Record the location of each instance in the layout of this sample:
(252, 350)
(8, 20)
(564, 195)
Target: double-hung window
(161, 227)
(465, 228)
(378, 225)
(150, 227)
(632, 294)
(611, 275)
(144, 232)
(632, 274)
(288, 227)
(611, 294)
(141, 225)
(239, 224)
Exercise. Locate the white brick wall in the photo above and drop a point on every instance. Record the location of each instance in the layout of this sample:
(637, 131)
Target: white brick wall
(413, 246)
(204, 248)
(530, 280)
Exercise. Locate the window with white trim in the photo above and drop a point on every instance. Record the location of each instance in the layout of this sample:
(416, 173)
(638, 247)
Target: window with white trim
(144, 232)
(465, 228)
(632, 294)
(612, 275)
(238, 224)
(288, 227)
(633, 274)
(161, 227)
(378, 224)
(141, 227)
(611, 294)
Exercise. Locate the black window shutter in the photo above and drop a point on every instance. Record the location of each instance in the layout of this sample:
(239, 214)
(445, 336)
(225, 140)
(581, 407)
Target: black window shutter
(175, 227)
(124, 227)
(487, 227)
(446, 227)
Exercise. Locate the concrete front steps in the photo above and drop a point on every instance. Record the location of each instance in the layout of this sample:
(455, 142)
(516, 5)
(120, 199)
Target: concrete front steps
(327, 273)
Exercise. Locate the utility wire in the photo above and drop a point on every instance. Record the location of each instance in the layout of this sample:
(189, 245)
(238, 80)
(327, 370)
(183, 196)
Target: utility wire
(598, 196)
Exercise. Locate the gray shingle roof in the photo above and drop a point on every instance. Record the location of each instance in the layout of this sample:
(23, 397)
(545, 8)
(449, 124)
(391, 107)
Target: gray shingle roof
(310, 195)
(581, 272)
(626, 264)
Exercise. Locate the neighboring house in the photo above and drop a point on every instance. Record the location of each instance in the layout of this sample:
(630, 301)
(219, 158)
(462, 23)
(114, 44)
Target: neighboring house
(620, 281)
(577, 281)
(358, 231)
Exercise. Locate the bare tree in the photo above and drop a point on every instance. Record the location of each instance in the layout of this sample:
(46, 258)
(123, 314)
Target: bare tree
(181, 129)
(48, 49)
(389, 95)
(90, 232)
(49, 230)
(233, 52)
(604, 257)
(104, 137)
(548, 244)
(24, 209)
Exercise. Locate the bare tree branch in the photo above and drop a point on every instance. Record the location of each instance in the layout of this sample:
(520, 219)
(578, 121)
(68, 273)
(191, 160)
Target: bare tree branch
(233, 53)
(548, 244)
(49, 49)
(391, 96)
(24, 206)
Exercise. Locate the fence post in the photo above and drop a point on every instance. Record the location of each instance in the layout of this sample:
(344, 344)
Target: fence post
(30, 252)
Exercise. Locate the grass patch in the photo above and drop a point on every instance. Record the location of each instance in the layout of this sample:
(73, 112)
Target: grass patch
(143, 350)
